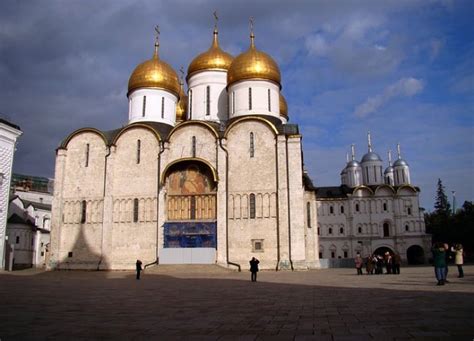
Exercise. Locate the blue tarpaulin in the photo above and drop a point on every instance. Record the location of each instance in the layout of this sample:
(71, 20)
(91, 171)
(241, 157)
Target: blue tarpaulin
(190, 234)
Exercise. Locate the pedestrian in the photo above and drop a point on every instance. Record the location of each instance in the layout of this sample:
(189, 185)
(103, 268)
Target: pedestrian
(369, 265)
(358, 263)
(458, 259)
(139, 268)
(396, 262)
(439, 262)
(254, 268)
(388, 262)
(379, 265)
(447, 255)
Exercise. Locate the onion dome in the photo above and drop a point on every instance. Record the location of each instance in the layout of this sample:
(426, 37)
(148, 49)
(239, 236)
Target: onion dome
(253, 64)
(400, 162)
(213, 59)
(283, 107)
(371, 156)
(154, 73)
(182, 105)
(388, 170)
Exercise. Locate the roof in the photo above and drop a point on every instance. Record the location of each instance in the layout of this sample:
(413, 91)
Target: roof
(333, 192)
(16, 219)
(36, 205)
(9, 123)
(33, 183)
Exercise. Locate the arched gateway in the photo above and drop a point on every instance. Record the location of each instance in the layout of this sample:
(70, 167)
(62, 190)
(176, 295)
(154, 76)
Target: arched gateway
(190, 229)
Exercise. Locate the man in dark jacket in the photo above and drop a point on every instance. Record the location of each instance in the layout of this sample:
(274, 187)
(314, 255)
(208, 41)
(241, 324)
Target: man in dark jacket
(254, 268)
(439, 262)
(139, 268)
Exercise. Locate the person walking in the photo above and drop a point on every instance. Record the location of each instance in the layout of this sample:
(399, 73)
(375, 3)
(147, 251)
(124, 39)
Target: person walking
(396, 262)
(458, 259)
(439, 262)
(254, 268)
(139, 268)
(358, 263)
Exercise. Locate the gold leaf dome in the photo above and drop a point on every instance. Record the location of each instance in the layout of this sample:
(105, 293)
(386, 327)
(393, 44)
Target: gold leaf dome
(213, 59)
(154, 73)
(253, 64)
(182, 106)
(283, 107)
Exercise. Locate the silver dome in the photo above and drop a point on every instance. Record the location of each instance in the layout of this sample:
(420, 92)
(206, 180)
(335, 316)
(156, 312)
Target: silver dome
(371, 156)
(400, 162)
(389, 169)
(353, 163)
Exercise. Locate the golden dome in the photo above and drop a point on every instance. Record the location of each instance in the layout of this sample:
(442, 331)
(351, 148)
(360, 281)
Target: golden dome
(182, 105)
(213, 59)
(154, 73)
(253, 64)
(283, 107)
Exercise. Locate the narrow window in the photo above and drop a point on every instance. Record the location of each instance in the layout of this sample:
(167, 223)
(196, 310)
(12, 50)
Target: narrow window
(341, 230)
(139, 146)
(87, 155)
(252, 145)
(233, 102)
(69, 254)
(357, 207)
(359, 230)
(333, 254)
(342, 209)
(17, 240)
(409, 211)
(319, 231)
(407, 228)
(375, 173)
(330, 230)
(252, 206)
(193, 146)
(193, 207)
(403, 176)
(384, 206)
(250, 98)
(331, 210)
(135, 210)
(345, 254)
(320, 255)
(367, 173)
(83, 211)
(208, 100)
(386, 230)
(162, 107)
(190, 104)
(144, 106)
(269, 101)
(308, 214)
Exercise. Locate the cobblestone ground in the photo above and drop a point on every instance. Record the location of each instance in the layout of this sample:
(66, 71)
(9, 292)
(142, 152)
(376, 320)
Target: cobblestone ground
(210, 303)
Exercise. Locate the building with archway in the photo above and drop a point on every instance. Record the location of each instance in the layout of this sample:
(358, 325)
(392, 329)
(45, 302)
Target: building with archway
(213, 174)
(372, 211)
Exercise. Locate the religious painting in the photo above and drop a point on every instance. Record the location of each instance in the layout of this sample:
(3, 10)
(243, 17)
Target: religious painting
(190, 180)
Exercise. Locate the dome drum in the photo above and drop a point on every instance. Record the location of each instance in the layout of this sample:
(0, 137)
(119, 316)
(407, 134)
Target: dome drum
(152, 105)
(259, 97)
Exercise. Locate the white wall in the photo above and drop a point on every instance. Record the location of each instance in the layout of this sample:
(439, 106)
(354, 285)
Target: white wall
(239, 98)
(153, 106)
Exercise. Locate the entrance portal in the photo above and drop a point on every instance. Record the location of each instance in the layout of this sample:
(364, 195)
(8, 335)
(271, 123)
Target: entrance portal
(382, 250)
(415, 255)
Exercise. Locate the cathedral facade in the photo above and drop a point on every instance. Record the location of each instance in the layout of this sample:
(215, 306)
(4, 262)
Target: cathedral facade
(209, 175)
(214, 175)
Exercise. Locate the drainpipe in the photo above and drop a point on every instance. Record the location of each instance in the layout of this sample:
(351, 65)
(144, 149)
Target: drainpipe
(288, 199)
(277, 204)
(158, 188)
(103, 210)
(227, 207)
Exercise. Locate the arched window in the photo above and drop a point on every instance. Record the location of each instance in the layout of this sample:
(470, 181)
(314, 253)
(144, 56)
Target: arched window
(233, 102)
(357, 208)
(269, 101)
(319, 231)
(409, 211)
(144, 106)
(386, 230)
(341, 230)
(135, 210)
(208, 100)
(345, 254)
(342, 209)
(190, 104)
(250, 98)
(83, 211)
(407, 228)
(139, 145)
(252, 206)
(308, 214)
(162, 107)
(87, 155)
(384, 206)
(359, 229)
(331, 210)
(193, 146)
(330, 230)
(252, 145)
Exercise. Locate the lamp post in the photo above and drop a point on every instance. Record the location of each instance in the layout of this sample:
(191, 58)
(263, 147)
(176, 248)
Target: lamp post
(454, 201)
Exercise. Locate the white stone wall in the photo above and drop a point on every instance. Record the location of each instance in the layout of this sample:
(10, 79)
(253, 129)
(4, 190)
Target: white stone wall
(372, 173)
(153, 106)
(239, 98)
(197, 96)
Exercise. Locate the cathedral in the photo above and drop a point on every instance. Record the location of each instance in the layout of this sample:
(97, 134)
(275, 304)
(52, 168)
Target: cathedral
(213, 175)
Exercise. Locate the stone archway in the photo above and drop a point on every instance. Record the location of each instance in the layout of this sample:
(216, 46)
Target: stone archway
(382, 250)
(415, 255)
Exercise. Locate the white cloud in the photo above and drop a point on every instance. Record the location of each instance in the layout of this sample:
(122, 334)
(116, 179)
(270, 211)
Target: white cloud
(317, 45)
(405, 87)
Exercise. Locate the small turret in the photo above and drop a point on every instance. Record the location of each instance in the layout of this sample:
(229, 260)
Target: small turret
(401, 170)
(371, 166)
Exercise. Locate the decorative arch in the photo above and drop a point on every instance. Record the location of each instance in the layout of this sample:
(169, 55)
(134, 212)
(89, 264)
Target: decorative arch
(200, 123)
(251, 118)
(84, 130)
(189, 159)
(133, 126)
(380, 187)
(362, 187)
(409, 187)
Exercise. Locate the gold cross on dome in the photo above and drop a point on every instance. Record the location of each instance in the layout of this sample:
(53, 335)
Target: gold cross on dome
(157, 31)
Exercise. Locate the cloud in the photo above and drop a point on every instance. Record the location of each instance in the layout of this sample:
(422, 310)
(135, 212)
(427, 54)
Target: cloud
(405, 87)
(317, 45)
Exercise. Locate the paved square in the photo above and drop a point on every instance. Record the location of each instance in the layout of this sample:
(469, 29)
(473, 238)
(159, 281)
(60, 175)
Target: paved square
(211, 303)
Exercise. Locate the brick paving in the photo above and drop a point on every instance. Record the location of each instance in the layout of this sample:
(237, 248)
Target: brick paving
(211, 303)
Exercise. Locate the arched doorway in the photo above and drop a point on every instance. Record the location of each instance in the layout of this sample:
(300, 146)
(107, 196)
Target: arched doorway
(415, 255)
(382, 250)
(190, 229)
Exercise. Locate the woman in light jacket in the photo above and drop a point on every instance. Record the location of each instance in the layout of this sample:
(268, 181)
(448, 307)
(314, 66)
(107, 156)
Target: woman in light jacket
(458, 259)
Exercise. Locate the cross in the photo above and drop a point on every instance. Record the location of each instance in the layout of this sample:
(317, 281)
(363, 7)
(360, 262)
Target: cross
(181, 70)
(215, 17)
(157, 30)
(251, 24)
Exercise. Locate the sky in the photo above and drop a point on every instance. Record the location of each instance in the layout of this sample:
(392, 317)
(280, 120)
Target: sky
(403, 70)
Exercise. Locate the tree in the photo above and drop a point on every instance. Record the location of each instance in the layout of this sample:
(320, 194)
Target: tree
(441, 206)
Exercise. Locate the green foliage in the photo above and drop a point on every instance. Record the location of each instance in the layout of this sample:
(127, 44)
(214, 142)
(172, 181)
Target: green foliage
(442, 205)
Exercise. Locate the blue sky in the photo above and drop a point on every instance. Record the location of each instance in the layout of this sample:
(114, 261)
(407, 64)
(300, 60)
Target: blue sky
(402, 69)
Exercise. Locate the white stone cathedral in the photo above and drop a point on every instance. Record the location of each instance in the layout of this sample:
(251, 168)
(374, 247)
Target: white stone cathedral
(214, 176)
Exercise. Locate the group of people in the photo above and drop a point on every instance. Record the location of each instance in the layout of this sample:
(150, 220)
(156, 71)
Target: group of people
(375, 263)
(442, 253)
